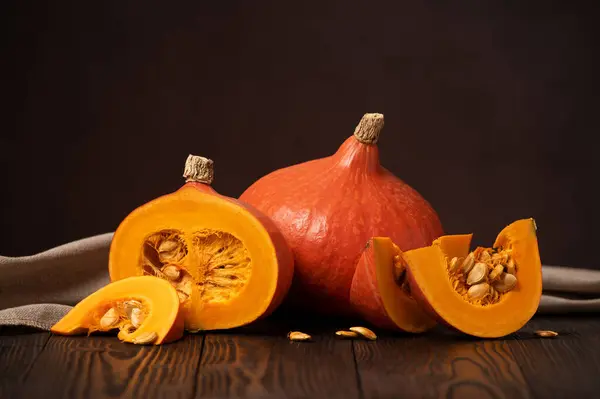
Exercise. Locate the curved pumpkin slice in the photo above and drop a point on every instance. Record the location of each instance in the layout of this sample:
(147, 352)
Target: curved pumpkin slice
(376, 295)
(229, 263)
(488, 292)
(145, 309)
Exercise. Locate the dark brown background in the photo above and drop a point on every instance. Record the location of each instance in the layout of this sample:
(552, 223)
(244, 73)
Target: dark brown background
(490, 108)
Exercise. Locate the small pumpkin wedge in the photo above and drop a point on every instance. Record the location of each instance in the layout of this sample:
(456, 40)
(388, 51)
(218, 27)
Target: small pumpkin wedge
(228, 262)
(145, 310)
(487, 292)
(380, 293)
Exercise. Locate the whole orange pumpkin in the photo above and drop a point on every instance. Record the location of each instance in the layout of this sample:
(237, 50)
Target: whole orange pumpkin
(328, 208)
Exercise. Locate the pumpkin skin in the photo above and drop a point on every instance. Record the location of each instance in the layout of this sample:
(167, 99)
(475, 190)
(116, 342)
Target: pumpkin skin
(431, 288)
(328, 208)
(376, 295)
(237, 266)
(164, 317)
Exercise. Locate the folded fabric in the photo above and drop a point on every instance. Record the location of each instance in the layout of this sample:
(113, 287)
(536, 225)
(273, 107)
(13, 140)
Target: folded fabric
(38, 290)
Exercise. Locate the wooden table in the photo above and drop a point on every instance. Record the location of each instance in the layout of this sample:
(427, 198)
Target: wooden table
(260, 362)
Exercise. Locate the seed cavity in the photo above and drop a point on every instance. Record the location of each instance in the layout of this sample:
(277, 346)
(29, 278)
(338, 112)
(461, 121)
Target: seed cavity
(219, 268)
(126, 315)
(224, 265)
(484, 276)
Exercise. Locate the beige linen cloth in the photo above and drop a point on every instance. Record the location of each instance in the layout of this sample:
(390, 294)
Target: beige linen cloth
(38, 290)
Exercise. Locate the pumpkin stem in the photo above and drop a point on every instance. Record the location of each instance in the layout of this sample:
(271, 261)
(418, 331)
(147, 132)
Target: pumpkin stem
(198, 169)
(368, 129)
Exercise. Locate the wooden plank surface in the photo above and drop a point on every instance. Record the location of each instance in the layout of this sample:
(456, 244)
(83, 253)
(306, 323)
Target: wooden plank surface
(19, 348)
(260, 362)
(439, 364)
(104, 367)
(263, 363)
(567, 366)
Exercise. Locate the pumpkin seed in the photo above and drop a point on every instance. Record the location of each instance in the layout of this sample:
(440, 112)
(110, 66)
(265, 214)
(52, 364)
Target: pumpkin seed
(132, 303)
(455, 284)
(128, 328)
(454, 263)
(182, 296)
(167, 257)
(168, 246)
(496, 272)
(172, 272)
(485, 256)
(477, 274)
(151, 256)
(365, 332)
(110, 319)
(169, 251)
(505, 283)
(129, 305)
(468, 263)
(494, 294)
(137, 317)
(145, 338)
(298, 336)
(511, 268)
(478, 291)
(546, 333)
(346, 334)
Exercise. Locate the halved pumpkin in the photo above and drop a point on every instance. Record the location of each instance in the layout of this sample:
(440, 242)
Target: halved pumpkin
(228, 262)
(145, 309)
(376, 295)
(488, 292)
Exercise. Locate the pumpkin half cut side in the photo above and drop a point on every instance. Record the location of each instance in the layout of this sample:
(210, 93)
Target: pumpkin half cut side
(487, 292)
(228, 262)
(144, 309)
(380, 293)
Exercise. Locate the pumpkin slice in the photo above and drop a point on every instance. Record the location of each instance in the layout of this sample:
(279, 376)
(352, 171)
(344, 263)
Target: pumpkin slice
(145, 310)
(228, 262)
(377, 293)
(488, 292)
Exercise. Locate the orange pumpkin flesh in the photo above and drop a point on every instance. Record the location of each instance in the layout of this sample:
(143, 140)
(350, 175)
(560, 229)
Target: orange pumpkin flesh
(431, 285)
(159, 301)
(376, 296)
(233, 264)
